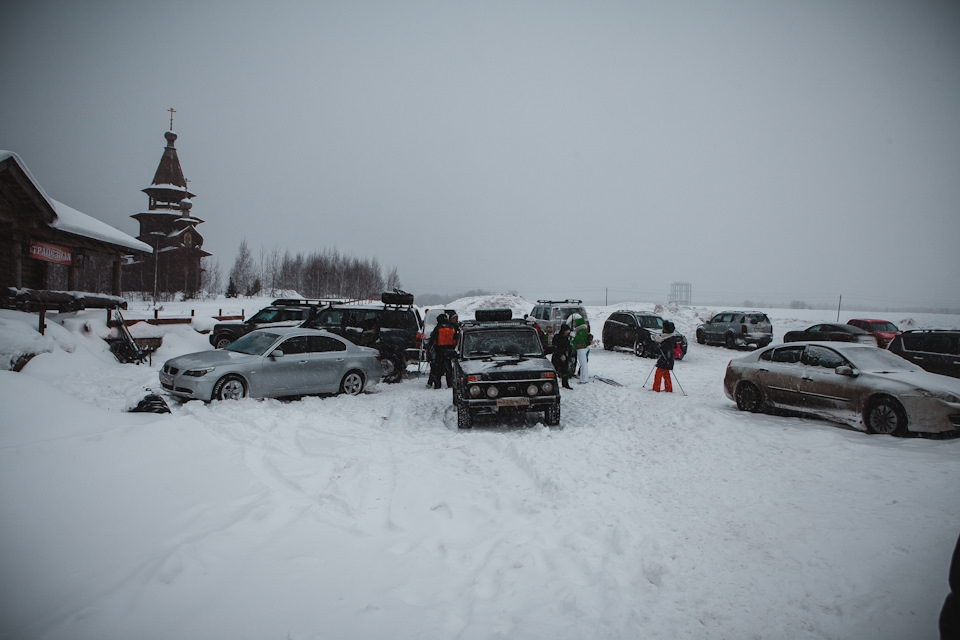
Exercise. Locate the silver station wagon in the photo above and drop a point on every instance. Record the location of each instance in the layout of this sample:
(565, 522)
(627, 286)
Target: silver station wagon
(271, 363)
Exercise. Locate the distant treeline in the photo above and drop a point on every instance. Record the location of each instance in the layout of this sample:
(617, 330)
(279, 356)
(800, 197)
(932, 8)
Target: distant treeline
(324, 274)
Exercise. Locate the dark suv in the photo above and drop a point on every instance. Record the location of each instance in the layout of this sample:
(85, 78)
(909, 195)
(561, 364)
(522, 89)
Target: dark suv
(735, 328)
(391, 327)
(936, 350)
(499, 366)
(635, 330)
(283, 312)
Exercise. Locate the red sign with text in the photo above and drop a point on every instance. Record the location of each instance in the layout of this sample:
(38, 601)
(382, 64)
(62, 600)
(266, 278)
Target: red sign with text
(50, 253)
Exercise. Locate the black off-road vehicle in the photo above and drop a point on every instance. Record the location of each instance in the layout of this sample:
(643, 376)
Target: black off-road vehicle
(282, 312)
(391, 327)
(500, 366)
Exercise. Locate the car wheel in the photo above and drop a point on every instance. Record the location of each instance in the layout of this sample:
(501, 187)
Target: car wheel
(551, 415)
(701, 337)
(231, 387)
(749, 398)
(352, 383)
(464, 417)
(392, 369)
(640, 348)
(730, 341)
(607, 344)
(221, 342)
(885, 416)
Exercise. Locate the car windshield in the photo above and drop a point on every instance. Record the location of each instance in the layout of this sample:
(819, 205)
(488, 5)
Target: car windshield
(254, 344)
(879, 360)
(478, 344)
(651, 322)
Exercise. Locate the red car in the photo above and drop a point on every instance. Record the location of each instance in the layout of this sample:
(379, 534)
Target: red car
(883, 330)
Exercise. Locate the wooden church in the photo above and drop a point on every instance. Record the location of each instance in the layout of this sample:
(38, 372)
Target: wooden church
(169, 227)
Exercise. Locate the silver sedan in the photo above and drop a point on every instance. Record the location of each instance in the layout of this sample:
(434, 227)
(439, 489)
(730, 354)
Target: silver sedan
(271, 363)
(868, 388)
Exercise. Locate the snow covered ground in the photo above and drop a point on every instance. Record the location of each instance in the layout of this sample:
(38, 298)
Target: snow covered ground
(643, 516)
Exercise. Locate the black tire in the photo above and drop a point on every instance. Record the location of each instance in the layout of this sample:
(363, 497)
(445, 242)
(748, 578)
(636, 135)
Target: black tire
(393, 367)
(230, 387)
(701, 337)
(221, 341)
(352, 383)
(640, 348)
(464, 417)
(885, 416)
(551, 415)
(607, 345)
(749, 397)
(730, 341)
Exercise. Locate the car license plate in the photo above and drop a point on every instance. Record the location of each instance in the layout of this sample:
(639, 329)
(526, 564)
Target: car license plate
(513, 402)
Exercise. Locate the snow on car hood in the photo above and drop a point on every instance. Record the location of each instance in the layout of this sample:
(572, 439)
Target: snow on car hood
(212, 358)
(506, 364)
(918, 379)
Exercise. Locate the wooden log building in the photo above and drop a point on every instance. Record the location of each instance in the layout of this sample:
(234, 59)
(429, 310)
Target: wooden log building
(47, 245)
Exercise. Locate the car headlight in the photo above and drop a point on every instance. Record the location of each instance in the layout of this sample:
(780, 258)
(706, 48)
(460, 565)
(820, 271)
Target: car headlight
(492, 391)
(474, 391)
(532, 390)
(547, 387)
(946, 396)
(198, 373)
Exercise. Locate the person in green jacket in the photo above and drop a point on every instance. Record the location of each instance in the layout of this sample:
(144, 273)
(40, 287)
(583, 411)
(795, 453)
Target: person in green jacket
(581, 342)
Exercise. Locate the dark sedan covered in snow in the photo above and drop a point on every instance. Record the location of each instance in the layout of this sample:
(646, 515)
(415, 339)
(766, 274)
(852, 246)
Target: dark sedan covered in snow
(272, 363)
(866, 387)
(831, 333)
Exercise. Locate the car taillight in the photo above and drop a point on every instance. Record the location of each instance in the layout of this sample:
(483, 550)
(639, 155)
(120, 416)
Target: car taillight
(419, 341)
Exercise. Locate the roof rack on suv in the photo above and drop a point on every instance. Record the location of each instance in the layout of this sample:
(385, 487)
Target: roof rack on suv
(567, 301)
(293, 302)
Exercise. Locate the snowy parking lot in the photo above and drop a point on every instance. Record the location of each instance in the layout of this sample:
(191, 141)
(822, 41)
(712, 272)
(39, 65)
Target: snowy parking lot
(642, 515)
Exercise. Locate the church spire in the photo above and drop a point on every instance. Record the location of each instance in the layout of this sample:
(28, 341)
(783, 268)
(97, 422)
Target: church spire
(169, 186)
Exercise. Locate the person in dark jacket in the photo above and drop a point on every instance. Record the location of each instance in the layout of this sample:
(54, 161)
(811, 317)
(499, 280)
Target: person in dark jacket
(950, 614)
(667, 342)
(562, 354)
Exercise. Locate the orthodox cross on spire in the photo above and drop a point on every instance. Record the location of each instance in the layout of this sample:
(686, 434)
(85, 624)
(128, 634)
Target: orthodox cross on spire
(172, 111)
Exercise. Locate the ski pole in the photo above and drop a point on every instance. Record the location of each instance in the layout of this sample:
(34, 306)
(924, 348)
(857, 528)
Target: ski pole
(648, 377)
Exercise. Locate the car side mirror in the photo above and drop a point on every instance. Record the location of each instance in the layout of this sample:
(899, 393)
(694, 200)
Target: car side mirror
(847, 370)
(277, 353)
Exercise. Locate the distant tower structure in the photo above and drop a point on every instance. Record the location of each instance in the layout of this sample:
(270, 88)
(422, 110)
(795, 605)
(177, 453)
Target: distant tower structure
(681, 292)
(170, 229)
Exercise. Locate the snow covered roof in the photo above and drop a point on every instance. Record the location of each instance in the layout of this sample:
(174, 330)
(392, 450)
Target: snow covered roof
(79, 223)
(69, 220)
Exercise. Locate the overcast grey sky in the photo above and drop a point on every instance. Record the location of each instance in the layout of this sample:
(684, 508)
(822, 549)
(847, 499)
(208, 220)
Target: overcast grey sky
(758, 150)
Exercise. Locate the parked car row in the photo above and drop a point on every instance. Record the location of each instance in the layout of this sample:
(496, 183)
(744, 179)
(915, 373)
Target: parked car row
(831, 370)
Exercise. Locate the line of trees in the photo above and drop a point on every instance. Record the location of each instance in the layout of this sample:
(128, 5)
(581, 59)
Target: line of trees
(324, 274)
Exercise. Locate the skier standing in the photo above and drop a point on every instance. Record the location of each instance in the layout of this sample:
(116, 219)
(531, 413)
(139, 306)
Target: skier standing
(667, 342)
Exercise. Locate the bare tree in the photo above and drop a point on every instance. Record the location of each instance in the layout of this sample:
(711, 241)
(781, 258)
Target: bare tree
(242, 272)
(393, 280)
